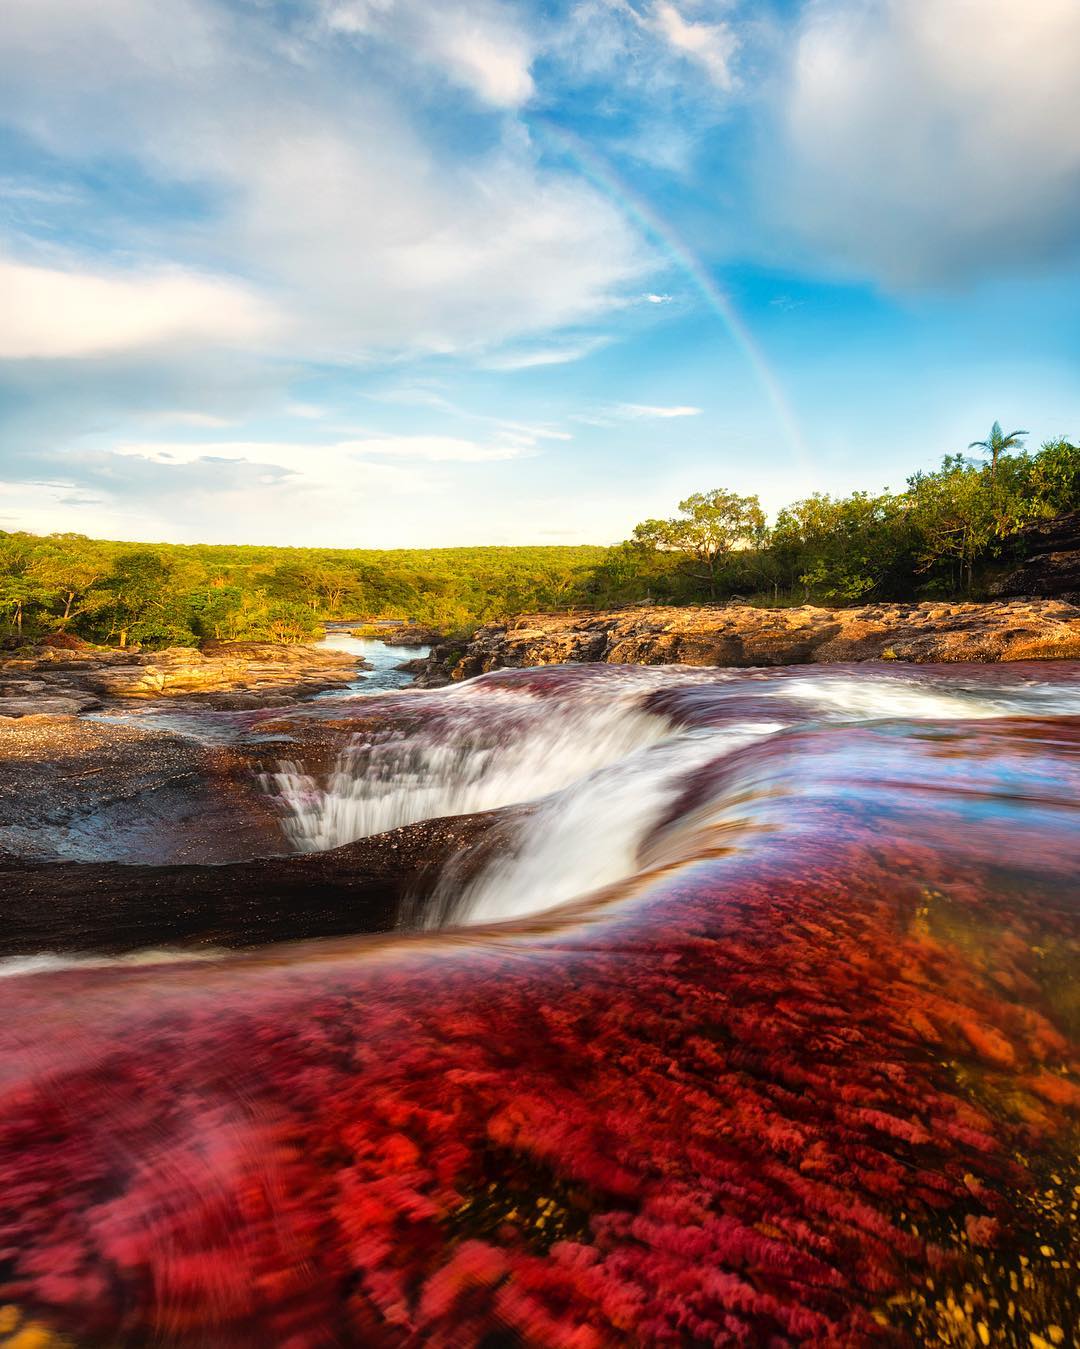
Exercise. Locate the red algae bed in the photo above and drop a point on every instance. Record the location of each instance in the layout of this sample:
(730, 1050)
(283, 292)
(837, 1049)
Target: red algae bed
(810, 1077)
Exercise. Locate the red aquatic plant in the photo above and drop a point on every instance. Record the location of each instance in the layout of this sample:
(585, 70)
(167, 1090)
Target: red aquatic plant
(759, 1102)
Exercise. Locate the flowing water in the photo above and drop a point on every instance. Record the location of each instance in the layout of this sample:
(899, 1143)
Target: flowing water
(601, 757)
(758, 1025)
(385, 662)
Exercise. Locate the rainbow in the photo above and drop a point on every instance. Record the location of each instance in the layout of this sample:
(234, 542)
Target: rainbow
(645, 218)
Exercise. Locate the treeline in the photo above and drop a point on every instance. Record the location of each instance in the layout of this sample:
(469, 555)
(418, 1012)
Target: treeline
(943, 536)
(177, 594)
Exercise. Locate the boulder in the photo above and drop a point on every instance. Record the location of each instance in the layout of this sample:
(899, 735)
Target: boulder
(411, 636)
(259, 674)
(100, 788)
(46, 705)
(263, 670)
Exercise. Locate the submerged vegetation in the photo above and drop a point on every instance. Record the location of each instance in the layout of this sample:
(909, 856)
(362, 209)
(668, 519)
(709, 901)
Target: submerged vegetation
(942, 536)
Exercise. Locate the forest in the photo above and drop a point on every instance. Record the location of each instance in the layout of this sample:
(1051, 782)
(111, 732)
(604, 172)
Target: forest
(943, 536)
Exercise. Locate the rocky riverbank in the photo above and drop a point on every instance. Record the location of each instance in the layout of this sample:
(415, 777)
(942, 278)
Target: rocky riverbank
(65, 676)
(86, 788)
(740, 635)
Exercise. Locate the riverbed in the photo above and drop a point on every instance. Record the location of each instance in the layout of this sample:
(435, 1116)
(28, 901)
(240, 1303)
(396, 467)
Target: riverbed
(750, 1019)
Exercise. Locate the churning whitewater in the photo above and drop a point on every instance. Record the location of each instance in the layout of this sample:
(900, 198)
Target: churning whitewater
(600, 752)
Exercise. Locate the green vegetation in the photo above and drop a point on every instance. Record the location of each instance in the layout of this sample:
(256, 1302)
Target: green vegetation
(168, 594)
(942, 536)
(707, 530)
(945, 534)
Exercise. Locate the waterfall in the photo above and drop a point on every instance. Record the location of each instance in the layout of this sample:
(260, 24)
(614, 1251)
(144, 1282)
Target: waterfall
(499, 751)
(600, 766)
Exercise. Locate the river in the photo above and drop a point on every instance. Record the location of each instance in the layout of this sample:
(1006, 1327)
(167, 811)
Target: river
(384, 660)
(758, 1026)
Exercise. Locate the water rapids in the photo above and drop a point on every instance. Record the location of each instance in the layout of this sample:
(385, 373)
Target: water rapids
(754, 1023)
(602, 754)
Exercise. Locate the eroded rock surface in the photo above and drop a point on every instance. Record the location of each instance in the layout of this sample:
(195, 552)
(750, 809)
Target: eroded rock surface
(741, 635)
(72, 676)
(74, 787)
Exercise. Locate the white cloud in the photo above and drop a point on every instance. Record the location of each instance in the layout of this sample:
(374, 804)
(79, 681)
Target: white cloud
(479, 44)
(370, 233)
(711, 45)
(539, 356)
(299, 456)
(647, 410)
(417, 395)
(50, 313)
(346, 492)
(182, 417)
(929, 140)
(432, 449)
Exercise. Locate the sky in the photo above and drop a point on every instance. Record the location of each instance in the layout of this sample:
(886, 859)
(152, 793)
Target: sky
(378, 273)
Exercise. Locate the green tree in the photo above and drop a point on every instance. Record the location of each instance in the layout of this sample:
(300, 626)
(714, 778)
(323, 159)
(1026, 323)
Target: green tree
(711, 525)
(1055, 476)
(139, 600)
(996, 444)
(20, 591)
(953, 511)
(844, 548)
(68, 566)
(289, 623)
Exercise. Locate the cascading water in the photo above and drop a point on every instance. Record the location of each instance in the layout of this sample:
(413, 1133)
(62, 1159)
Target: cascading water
(600, 760)
(487, 751)
(796, 1061)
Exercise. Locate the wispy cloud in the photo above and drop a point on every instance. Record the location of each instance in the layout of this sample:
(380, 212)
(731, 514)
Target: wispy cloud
(184, 417)
(293, 455)
(711, 45)
(432, 449)
(481, 45)
(649, 410)
(425, 397)
(537, 356)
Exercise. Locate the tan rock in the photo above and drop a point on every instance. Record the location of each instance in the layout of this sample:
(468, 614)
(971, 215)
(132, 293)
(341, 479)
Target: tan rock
(741, 635)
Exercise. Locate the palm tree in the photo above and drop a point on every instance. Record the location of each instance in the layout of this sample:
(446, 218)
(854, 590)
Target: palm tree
(996, 444)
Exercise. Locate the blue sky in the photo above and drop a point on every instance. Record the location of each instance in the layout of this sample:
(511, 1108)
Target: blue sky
(389, 272)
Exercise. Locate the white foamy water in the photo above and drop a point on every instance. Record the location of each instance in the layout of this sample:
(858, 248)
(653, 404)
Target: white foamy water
(588, 836)
(878, 699)
(602, 770)
(510, 748)
(48, 962)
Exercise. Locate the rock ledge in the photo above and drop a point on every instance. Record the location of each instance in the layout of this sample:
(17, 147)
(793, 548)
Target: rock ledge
(742, 636)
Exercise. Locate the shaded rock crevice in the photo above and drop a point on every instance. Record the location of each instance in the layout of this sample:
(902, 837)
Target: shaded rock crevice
(1052, 567)
(112, 908)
